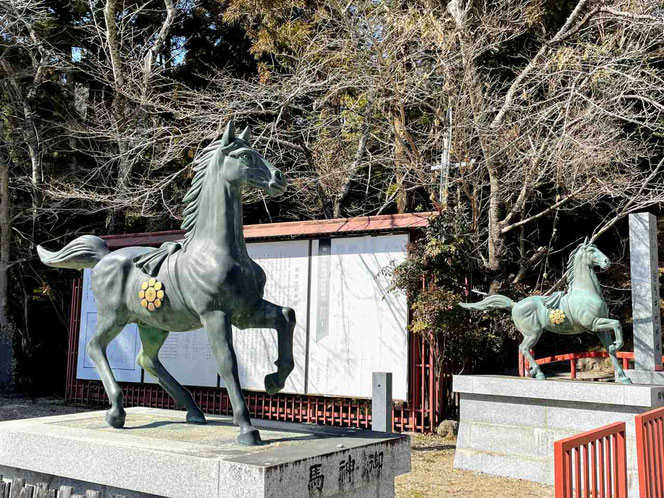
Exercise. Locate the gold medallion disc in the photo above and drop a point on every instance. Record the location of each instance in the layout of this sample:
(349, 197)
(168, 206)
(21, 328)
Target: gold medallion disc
(152, 294)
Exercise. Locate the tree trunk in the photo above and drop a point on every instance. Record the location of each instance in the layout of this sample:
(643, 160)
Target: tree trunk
(354, 167)
(495, 237)
(115, 221)
(7, 361)
(400, 163)
(481, 124)
(34, 151)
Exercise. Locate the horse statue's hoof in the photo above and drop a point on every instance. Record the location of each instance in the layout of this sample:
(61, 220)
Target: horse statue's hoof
(196, 417)
(540, 376)
(272, 384)
(250, 438)
(625, 380)
(116, 418)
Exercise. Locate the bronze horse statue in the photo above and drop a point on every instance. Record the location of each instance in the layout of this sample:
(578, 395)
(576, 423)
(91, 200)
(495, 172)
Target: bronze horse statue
(209, 280)
(580, 309)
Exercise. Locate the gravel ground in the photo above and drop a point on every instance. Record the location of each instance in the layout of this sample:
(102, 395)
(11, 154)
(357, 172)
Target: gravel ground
(433, 476)
(432, 473)
(15, 407)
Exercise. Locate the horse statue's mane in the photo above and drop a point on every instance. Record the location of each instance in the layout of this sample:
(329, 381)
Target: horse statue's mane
(570, 265)
(150, 262)
(570, 261)
(192, 199)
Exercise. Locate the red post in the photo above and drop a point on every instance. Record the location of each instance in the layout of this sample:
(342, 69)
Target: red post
(572, 369)
(650, 452)
(561, 470)
(432, 391)
(621, 465)
(524, 365)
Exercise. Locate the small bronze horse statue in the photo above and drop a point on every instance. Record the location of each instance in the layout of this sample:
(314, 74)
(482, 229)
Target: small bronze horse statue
(581, 309)
(209, 280)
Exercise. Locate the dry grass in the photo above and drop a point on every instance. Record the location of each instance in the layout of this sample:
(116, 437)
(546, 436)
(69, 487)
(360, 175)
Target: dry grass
(433, 476)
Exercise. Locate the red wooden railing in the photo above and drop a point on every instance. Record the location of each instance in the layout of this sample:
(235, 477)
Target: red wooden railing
(592, 464)
(625, 357)
(650, 452)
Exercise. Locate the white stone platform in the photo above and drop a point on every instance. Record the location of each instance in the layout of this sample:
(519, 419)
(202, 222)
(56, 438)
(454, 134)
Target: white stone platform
(158, 455)
(646, 376)
(508, 424)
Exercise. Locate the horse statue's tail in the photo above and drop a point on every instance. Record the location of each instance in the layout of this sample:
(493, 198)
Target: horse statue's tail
(84, 252)
(492, 302)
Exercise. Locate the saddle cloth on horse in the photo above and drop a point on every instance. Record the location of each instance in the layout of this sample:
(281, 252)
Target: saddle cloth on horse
(150, 262)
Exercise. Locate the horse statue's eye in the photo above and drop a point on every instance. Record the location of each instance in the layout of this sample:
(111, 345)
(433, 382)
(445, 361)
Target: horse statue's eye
(245, 159)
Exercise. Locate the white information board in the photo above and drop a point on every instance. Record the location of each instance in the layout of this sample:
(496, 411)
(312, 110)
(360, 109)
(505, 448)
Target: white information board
(286, 267)
(121, 352)
(357, 326)
(187, 357)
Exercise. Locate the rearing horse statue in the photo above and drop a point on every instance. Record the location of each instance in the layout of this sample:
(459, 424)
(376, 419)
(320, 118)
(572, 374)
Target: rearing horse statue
(581, 309)
(209, 280)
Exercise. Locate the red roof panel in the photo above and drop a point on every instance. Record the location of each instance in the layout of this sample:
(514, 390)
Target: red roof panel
(289, 229)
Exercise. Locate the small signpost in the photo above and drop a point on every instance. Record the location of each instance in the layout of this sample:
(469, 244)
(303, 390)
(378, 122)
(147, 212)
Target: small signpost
(381, 402)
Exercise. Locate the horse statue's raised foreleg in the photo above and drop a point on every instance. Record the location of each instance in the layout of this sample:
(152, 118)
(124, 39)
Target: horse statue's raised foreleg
(152, 340)
(602, 327)
(282, 319)
(220, 334)
(108, 327)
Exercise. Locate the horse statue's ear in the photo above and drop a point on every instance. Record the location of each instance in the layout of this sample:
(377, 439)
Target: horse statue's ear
(229, 134)
(246, 134)
(585, 242)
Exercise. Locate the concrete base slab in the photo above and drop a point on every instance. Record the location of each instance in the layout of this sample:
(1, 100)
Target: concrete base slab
(158, 455)
(646, 376)
(508, 424)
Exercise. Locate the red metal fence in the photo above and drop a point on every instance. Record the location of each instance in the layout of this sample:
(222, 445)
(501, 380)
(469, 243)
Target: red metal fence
(624, 356)
(431, 399)
(592, 464)
(650, 452)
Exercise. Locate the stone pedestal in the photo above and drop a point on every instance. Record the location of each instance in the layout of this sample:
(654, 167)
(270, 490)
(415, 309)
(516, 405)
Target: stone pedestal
(508, 424)
(158, 455)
